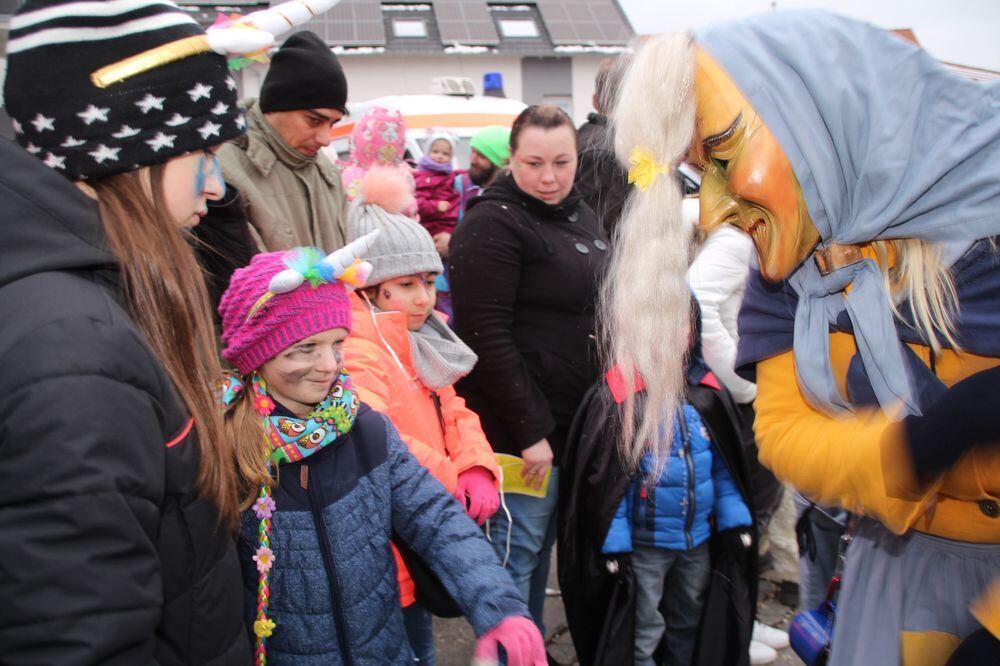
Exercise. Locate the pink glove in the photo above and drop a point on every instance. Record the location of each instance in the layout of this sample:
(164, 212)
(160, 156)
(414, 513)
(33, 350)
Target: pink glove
(476, 491)
(520, 639)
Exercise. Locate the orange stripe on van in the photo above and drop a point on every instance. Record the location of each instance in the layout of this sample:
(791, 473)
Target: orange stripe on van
(426, 120)
(184, 433)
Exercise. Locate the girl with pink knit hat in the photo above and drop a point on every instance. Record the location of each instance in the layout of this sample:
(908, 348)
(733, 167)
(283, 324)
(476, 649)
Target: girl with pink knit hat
(328, 484)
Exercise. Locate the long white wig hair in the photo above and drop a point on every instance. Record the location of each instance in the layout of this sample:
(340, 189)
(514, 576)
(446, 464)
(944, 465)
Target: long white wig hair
(645, 301)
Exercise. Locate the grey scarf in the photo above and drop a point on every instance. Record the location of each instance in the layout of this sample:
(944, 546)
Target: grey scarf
(439, 356)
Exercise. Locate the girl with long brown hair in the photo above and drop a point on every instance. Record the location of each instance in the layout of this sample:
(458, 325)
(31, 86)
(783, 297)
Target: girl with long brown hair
(118, 494)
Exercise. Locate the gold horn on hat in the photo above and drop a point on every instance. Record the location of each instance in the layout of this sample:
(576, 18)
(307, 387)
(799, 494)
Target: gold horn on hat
(254, 32)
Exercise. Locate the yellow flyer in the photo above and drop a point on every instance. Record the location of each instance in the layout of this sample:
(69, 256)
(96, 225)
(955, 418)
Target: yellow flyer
(513, 482)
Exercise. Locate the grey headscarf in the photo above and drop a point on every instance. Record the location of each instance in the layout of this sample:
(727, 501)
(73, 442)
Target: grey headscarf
(886, 144)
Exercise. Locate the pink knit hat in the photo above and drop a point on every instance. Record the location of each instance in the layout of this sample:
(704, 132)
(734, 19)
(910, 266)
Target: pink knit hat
(284, 297)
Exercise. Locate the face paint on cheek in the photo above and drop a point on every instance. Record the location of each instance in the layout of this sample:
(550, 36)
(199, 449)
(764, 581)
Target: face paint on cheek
(295, 375)
(386, 294)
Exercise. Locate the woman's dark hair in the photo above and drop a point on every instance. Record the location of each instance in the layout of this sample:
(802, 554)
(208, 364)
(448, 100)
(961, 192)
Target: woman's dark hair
(546, 116)
(167, 299)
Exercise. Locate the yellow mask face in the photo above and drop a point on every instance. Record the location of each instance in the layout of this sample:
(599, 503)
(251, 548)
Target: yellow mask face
(748, 180)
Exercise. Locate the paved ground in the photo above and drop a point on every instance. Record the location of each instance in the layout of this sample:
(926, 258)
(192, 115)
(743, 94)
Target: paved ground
(455, 640)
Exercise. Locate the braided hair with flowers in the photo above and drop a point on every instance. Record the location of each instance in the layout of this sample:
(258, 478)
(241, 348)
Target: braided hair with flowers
(304, 293)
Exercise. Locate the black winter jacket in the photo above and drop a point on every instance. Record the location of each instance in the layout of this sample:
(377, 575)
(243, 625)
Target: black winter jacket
(600, 604)
(600, 178)
(107, 555)
(524, 281)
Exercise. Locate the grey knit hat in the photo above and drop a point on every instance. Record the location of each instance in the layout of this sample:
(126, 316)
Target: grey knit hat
(403, 248)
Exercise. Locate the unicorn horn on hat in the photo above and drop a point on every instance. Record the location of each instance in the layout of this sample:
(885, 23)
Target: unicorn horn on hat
(307, 264)
(251, 35)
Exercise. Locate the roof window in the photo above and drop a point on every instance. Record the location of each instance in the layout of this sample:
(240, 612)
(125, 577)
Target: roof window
(518, 28)
(409, 28)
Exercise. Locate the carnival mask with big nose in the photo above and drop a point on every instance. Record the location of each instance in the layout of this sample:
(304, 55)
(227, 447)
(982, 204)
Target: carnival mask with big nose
(748, 181)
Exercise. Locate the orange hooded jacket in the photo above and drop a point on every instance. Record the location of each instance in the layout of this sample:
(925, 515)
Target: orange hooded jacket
(377, 357)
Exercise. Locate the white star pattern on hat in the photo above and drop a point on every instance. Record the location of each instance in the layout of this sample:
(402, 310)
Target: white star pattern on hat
(150, 102)
(240, 121)
(42, 123)
(92, 114)
(103, 153)
(230, 83)
(32, 148)
(161, 140)
(125, 132)
(72, 142)
(220, 109)
(53, 161)
(208, 129)
(200, 90)
(17, 126)
(177, 120)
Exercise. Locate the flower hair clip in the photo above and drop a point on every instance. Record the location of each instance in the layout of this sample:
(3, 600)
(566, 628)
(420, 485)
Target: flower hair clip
(308, 264)
(644, 168)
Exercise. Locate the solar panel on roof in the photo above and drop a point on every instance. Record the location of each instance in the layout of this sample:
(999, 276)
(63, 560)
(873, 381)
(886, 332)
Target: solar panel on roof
(465, 22)
(584, 22)
(349, 23)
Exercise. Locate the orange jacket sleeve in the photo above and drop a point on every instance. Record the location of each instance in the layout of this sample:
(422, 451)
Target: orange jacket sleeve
(464, 437)
(840, 461)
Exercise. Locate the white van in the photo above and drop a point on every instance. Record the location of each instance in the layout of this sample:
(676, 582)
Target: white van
(462, 116)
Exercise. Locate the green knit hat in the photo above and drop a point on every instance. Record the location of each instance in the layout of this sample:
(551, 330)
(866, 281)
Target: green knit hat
(494, 143)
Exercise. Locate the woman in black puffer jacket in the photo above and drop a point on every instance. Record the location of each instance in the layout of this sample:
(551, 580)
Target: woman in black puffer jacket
(117, 492)
(525, 266)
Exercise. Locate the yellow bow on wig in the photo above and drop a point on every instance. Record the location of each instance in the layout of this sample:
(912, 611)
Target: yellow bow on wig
(644, 168)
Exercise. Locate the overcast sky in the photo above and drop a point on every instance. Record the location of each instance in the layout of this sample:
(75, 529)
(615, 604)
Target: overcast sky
(966, 32)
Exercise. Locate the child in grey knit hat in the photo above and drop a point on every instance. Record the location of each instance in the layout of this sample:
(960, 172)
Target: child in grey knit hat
(404, 360)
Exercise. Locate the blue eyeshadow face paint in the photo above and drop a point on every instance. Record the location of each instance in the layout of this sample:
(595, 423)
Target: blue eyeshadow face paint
(214, 171)
(199, 176)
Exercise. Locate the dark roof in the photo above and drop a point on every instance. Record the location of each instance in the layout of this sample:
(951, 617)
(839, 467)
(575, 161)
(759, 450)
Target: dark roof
(471, 26)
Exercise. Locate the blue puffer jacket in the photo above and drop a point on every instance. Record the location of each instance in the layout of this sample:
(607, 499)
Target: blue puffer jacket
(334, 594)
(694, 487)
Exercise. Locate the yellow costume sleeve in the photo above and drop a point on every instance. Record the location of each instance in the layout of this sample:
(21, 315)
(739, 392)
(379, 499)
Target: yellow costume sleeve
(828, 459)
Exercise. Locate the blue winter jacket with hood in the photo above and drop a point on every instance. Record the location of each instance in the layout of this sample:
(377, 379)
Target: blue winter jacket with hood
(694, 487)
(334, 594)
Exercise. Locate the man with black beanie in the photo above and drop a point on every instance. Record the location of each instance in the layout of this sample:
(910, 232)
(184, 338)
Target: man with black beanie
(292, 192)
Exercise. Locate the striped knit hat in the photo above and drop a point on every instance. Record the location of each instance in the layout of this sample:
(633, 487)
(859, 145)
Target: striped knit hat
(86, 128)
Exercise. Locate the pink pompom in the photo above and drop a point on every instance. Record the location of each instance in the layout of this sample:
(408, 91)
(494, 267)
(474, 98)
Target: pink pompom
(388, 188)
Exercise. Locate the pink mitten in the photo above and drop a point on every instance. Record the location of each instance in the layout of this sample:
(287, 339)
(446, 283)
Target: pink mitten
(477, 492)
(520, 639)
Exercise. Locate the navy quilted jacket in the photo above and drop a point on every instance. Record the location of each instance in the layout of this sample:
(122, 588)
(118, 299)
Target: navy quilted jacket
(334, 594)
(694, 486)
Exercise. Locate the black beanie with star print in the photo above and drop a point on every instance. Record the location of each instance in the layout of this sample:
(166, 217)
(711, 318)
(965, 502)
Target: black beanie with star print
(304, 74)
(86, 131)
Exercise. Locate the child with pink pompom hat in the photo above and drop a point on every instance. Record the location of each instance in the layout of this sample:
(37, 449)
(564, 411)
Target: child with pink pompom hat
(405, 359)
